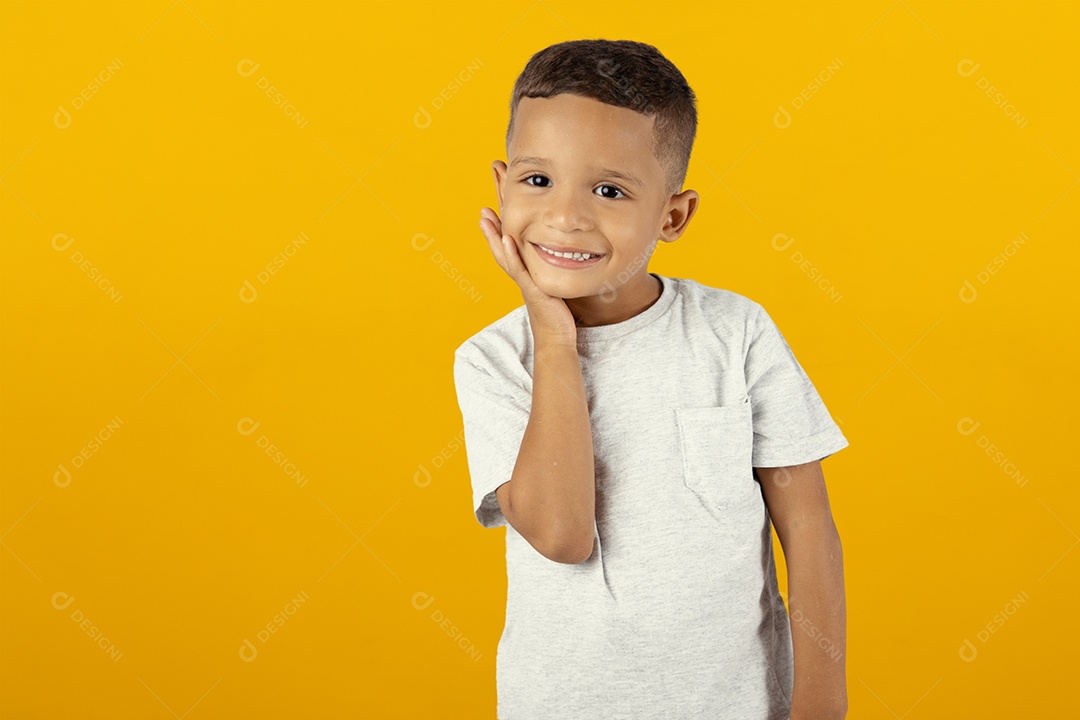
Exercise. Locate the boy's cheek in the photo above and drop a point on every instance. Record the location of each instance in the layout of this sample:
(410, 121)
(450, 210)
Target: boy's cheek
(513, 224)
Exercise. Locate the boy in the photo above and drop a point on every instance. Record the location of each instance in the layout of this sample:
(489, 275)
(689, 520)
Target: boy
(636, 434)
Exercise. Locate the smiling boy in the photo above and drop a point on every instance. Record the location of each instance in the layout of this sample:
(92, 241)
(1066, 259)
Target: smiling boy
(638, 435)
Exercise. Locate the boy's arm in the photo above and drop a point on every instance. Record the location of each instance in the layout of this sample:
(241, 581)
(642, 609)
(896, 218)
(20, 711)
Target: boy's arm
(799, 508)
(551, 497)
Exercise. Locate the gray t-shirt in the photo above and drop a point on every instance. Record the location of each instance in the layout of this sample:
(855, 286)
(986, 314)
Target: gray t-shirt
(677, 613)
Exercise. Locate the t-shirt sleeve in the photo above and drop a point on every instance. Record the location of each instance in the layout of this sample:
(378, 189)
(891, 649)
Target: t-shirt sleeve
(495, 414)
(791, 424)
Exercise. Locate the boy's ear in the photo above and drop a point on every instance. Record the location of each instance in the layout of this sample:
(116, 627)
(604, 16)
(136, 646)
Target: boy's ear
(681, 208)
(498, 169)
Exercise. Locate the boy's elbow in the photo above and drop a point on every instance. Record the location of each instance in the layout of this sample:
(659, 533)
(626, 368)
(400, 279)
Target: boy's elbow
(559, 545)
(570, 553)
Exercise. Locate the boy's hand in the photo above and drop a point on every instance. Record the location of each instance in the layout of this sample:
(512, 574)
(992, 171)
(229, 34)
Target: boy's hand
(549, 316)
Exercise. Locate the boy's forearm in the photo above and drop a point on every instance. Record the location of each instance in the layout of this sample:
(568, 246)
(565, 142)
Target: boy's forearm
(818, 615)
(553, 484)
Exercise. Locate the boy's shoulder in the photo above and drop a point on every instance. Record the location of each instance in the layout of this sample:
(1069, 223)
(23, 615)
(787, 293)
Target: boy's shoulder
(710, 311)
(717, 302)
(498, 343)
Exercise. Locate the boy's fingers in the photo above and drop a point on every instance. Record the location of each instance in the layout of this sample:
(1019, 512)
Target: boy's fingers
(494, 241)
(506, 253)
(493, 217)
(513, 264)
(492, 231)
(516, 268)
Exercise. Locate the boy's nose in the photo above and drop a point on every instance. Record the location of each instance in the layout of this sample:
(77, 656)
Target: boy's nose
(566, 212)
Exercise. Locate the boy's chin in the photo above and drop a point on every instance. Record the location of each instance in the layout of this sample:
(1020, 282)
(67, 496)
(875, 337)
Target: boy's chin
(564, 285)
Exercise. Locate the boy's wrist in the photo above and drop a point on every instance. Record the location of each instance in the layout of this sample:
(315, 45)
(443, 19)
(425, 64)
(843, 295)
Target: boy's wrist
(544, 342)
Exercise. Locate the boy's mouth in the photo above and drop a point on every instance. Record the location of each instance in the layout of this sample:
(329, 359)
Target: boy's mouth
(573, 260)
(570, 253)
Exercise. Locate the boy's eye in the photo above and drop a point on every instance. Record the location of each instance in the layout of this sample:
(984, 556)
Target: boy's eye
(530, 177)
(544, 177)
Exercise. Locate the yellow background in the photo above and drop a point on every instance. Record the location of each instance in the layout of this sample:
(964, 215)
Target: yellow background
(179, 180)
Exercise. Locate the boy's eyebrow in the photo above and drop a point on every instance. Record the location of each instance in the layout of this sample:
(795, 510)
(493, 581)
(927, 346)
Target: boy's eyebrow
(522, 159)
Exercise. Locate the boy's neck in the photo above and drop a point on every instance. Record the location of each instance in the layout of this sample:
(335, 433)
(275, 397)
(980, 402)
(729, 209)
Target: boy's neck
(631, 299)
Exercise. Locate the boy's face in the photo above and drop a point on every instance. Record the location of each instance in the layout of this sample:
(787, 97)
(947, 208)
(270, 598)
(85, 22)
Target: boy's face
(562, 189)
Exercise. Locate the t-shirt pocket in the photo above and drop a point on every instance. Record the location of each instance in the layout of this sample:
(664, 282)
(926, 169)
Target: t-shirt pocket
(717, 444)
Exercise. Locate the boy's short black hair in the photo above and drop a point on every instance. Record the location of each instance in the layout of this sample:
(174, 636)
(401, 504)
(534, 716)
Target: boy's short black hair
(626, 74)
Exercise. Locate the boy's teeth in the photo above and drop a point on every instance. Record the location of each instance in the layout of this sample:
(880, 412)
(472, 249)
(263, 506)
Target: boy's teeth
(574, 256)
